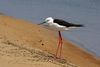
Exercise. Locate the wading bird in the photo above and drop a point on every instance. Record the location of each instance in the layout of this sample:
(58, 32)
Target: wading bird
(59, 25)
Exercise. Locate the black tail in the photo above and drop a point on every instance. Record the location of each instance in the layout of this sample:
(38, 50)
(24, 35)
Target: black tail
(79, 25)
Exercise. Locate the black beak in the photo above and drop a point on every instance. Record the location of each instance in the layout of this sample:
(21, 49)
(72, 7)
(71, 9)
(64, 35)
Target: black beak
(41, 23)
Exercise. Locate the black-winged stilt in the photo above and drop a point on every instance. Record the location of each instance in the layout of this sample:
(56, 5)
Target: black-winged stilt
(59, 25)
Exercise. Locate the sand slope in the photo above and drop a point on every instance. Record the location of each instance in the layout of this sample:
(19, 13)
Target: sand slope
(25, 44)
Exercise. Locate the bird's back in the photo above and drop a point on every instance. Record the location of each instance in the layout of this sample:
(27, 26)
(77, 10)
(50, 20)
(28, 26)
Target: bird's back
(67, 24)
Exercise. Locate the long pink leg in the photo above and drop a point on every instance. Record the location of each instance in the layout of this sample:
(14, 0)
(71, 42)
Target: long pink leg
(58, 45)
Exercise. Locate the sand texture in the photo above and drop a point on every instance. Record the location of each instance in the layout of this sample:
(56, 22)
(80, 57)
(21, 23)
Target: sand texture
(24, 44)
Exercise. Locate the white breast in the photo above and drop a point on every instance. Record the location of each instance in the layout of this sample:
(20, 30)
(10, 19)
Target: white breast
(55, 26)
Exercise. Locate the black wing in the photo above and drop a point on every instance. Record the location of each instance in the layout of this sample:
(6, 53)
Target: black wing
(67, 24)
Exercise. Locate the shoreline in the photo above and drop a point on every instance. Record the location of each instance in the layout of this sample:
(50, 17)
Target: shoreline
(24, 33)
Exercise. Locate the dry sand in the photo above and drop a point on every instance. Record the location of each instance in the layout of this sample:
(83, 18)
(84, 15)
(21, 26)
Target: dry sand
(23, 44)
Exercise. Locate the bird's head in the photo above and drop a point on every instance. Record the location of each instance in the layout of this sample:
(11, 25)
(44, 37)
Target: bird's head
(47, 20)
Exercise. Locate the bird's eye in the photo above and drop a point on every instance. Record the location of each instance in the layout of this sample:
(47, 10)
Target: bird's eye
(47, 20)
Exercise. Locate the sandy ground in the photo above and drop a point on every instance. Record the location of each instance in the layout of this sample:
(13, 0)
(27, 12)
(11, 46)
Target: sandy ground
(25, 44)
